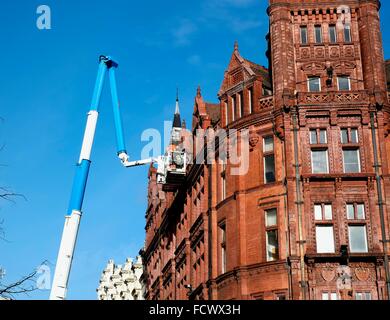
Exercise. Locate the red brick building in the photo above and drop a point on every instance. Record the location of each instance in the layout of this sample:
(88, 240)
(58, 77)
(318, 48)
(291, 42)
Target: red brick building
(310, 220)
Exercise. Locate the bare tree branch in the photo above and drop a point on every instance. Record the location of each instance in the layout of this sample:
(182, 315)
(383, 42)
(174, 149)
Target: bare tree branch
(25, 285)
(8, 195)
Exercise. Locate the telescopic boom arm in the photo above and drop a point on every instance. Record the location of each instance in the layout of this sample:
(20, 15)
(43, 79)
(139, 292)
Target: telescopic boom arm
(72, 220)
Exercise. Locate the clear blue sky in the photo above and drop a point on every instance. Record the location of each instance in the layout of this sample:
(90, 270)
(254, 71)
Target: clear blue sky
(46, 83)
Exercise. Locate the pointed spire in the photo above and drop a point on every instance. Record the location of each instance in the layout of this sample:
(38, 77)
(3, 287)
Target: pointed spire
(198, 92)
(176, 117)
(177, 110)
(236, 46)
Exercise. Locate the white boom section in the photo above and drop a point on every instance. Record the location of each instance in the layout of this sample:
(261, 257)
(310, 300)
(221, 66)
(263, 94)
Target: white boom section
(89, 135)
(65, 256)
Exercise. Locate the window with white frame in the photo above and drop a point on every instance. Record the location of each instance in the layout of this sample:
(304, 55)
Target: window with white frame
(269, 159)
(241, 103)
(319, 152)
(233, 109)
(356, 211)
(349, 136)
(272, 243)
(332, 34)
(319, 161)
(222, 232)
(314, 84)
(326, 295)
(250, 99)
(318, 136)
(363, 296)
(223, 182)
(351, 159)
(323, 215)
(323, 212)
(325, 239)
(344, 83)
(304, 38)
(347, 33)
(318, 34)
(358, 238)
(351, 151)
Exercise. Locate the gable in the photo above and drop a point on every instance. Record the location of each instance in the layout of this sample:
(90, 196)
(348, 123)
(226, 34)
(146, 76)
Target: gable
(238, 70)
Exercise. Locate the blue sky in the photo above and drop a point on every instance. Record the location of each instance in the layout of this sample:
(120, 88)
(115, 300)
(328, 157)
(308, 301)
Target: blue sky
(46, 85)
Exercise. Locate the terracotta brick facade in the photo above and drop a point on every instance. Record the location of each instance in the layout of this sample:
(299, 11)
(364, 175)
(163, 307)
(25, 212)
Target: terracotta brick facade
(310, 220)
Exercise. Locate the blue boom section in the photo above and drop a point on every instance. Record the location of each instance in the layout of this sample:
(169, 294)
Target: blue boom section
(79, 184)
(120, 141)
(97, 92)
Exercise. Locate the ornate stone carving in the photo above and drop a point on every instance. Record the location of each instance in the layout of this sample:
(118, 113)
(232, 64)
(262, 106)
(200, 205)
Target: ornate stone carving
(338, 97)
(362, 273)
(328, 274)
(349, 52)
(253, 139)
(334, 52)
(267, 102)
(320, 53)
(314, 67)
(305, 53)
(339, 185)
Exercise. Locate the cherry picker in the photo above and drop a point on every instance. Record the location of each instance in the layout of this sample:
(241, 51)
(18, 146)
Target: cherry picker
(166, 167)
